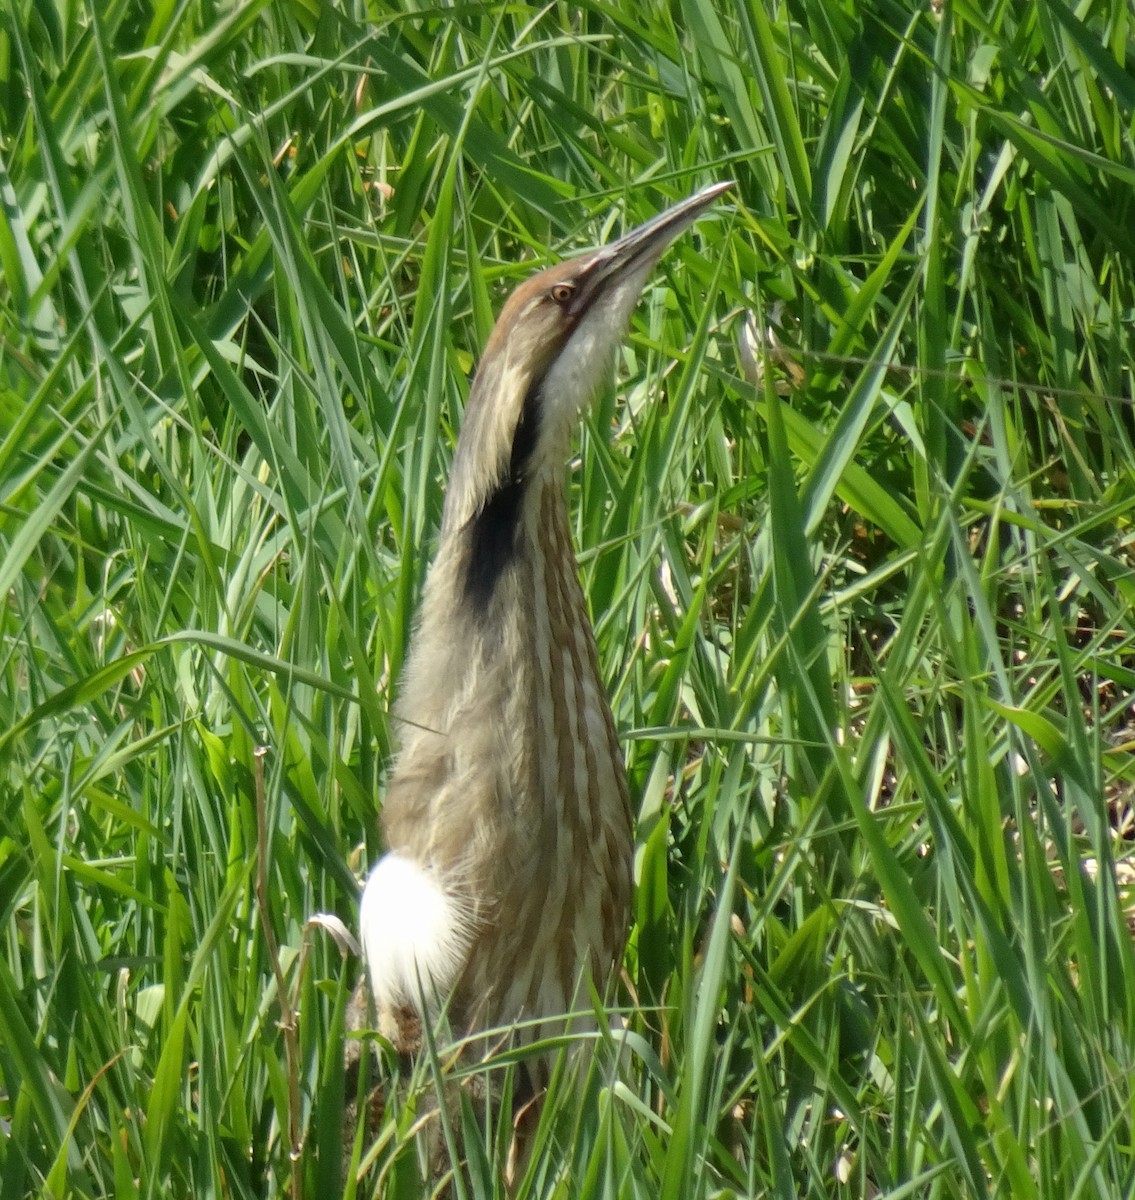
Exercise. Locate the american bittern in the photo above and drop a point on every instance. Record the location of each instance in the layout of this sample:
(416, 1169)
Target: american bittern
(507, 881)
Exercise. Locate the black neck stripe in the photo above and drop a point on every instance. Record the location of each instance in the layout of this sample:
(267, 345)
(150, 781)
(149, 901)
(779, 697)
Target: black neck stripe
(493, 532)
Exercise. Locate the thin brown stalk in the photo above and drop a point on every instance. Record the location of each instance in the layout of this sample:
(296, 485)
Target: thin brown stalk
(288, 1021)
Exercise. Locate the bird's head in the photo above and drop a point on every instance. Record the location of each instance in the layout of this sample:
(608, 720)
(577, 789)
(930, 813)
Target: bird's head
(550, 349)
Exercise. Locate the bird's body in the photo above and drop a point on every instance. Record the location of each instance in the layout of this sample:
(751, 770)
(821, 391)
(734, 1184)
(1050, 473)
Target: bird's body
(506, 887)
(521, 806)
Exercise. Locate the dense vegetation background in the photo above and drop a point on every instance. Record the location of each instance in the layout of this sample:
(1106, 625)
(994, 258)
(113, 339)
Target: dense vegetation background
(857, 531)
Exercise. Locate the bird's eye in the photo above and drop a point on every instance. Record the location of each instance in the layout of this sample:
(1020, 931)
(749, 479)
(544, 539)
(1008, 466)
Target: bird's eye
(561, 293)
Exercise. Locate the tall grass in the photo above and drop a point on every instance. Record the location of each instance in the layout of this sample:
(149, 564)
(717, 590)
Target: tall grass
(863, 593)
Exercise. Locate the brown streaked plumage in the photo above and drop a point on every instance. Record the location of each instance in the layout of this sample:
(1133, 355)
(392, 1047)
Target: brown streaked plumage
(507, 882)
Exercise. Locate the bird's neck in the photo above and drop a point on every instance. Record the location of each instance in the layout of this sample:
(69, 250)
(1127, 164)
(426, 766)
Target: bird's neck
(502, 690)
(508, 580)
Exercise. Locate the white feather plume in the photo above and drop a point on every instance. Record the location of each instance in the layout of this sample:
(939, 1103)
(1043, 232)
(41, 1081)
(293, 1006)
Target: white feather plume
(414, 935)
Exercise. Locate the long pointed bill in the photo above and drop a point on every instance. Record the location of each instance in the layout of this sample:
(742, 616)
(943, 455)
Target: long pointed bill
(640, 248)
